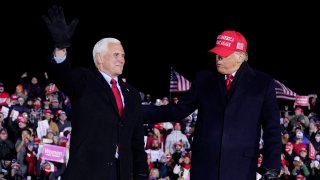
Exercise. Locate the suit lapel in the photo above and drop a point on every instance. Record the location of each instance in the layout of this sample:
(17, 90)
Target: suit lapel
(222, 88)
(125, 93)
(243, 83)
(105, 85)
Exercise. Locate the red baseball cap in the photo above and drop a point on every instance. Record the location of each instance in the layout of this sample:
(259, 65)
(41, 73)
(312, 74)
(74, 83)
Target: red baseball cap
(47, 111)
(228, 42)
(298, 109)
(300, 176)
(158, 126)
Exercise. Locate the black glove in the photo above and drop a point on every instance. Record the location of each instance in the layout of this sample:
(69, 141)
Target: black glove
(270, 174)
(60, 31)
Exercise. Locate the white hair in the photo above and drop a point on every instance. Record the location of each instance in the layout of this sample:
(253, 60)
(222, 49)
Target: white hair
(103, 46)
(243, 53)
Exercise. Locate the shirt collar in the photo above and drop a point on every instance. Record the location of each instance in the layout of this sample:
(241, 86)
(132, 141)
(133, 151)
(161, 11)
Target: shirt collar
(233, 74)
(108, 78)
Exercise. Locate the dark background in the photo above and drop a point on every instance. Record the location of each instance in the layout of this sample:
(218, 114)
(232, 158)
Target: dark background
(283, 41)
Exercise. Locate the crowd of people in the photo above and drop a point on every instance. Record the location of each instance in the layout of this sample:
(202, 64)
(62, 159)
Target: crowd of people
(34, 115)
(37, 114)
(227, 125)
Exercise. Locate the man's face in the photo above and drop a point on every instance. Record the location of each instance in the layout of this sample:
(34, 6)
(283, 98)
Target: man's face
(1, 88)
(112, 62)
(288, 148)
(34, 80)
(303, 153)
(229, 64)
(22, 125)
(48, 115)
(3, 135)
(298, 112)
(7, 163)
(177, 127)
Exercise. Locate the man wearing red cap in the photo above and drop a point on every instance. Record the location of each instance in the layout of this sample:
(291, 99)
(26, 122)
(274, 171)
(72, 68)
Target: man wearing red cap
(234, 102)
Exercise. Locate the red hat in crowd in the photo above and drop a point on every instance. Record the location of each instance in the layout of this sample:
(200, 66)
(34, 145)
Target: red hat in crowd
(300, 176)
(47, 111)
(36, 140)
(229, 42)
(60, 112)
(158, 126)
(298, 109)
(179, 143)
(14, 97)
(303, 149)
(188, 155)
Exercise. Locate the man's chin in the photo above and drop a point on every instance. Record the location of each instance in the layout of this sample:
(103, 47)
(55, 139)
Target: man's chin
(221, 71)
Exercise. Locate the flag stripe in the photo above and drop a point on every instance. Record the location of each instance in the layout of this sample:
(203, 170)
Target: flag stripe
(284, 92)
(178, 83)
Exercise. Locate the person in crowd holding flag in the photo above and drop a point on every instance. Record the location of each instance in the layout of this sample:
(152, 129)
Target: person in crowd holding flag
(234, 103)
(107, 139)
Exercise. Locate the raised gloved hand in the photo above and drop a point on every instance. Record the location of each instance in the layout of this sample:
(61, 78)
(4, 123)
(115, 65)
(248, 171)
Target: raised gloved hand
(61, 32)
(270, 174)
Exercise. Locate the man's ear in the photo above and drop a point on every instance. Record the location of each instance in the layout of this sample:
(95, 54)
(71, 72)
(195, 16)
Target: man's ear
(98, 58)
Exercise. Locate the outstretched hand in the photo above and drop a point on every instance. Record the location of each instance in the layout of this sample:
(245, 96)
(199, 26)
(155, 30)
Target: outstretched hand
(61, 32)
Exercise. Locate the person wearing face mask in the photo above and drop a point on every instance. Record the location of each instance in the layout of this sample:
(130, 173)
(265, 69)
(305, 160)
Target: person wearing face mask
(299, 141)
(36, 111)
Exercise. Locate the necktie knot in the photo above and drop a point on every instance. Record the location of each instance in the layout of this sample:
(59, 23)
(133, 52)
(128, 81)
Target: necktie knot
(229, 81)
(113, 82)
(229, 77)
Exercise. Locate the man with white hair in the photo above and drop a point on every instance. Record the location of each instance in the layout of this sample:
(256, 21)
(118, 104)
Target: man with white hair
(107, 128)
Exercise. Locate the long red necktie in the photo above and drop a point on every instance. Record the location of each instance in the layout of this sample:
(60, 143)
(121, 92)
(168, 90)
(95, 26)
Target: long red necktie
(229, 81)
(117, 95)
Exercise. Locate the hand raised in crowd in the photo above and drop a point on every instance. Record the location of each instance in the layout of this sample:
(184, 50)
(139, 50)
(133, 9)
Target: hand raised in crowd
(46, 75)
(60, 31)
(25, 74)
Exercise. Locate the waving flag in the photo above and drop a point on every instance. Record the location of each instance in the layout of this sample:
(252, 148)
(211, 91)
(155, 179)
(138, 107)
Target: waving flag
(312, 151)
(283, 92)
(178, 83)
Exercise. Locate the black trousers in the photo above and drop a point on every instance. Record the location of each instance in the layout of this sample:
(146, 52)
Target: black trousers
(115, 175)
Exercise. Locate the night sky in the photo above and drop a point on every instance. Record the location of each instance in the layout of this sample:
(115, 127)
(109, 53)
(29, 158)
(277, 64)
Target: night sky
(282, 41)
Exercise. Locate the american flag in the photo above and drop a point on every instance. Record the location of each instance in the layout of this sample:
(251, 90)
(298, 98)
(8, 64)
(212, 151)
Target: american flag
(283, 92)
(178, 83)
